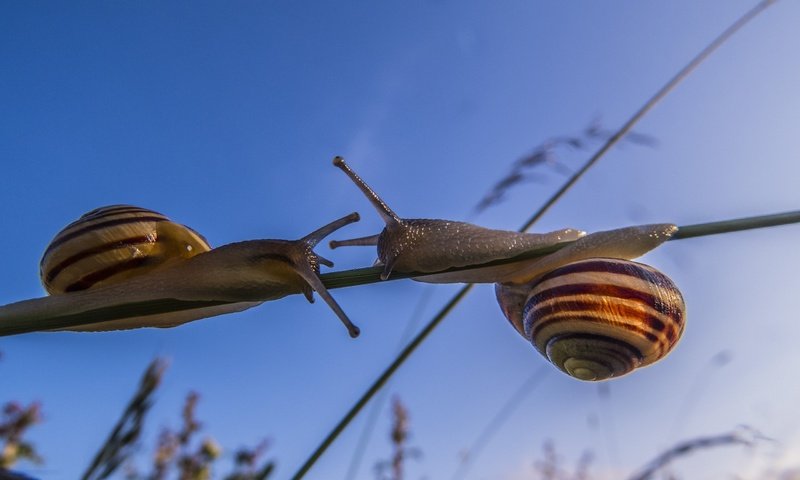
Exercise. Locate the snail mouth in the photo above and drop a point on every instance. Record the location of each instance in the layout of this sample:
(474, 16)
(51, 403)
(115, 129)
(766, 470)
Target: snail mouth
(592, 357)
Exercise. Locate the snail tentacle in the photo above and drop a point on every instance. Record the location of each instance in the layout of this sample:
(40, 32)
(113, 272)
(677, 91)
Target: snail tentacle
(313, 238)
(382, 208)
(367, 241)
(312, 277)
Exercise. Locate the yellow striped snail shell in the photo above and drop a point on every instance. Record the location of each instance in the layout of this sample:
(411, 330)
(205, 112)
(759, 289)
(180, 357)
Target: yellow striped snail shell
(113, 243)
(601, 318)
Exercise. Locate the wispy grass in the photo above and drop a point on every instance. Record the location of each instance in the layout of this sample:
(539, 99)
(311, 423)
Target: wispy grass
(123, 438)
(394, 468)
(177, 452)
(15, 422)
(745, 437)
(472, 453)
(119, 445)
(549, 467)
(528, 168)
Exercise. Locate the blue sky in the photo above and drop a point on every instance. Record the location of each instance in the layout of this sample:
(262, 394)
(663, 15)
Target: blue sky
(225, 116)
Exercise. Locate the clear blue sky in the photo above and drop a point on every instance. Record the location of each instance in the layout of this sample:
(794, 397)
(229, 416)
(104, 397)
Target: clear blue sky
(225, 116)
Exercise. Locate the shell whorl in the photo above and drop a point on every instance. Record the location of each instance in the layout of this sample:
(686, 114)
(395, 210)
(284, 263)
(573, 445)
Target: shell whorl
(601, 318)
(113, 243)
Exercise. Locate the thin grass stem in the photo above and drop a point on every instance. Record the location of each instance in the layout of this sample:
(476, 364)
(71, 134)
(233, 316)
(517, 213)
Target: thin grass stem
(497, 421)
(364, 276)
(744, 436)
(657, 97)
(382, 379)
(15, 325)
(737, 225)
(613, 140)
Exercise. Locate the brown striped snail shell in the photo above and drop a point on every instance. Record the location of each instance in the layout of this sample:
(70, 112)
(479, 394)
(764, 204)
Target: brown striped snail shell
(601, 318)
(113, 243)
(123, 257)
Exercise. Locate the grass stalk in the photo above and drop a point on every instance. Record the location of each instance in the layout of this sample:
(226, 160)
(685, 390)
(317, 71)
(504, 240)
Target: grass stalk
(16, 325)
(745, 436)
(613, 140)
(648, 105)
(382, 379)
(364, 276)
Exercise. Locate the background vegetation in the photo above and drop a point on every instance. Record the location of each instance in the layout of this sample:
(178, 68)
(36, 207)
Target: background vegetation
(220, 117)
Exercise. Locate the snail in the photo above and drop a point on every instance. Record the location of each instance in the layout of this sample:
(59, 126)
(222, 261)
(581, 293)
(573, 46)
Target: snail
(586, 307)
(126, 255)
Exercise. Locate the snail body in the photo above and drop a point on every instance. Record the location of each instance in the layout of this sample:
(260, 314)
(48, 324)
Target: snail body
(586, 307)
(431, 245)
(119, 255)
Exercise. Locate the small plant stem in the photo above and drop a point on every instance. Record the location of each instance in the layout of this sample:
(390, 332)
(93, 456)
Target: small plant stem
(737, 225)
(657, 97)
(376, 386)
(498, 420)
(746, 437)
(122, 441)
(363, 276)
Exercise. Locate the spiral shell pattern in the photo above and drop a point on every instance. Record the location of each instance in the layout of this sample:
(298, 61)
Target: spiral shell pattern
(113, 243)
(601, 318)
